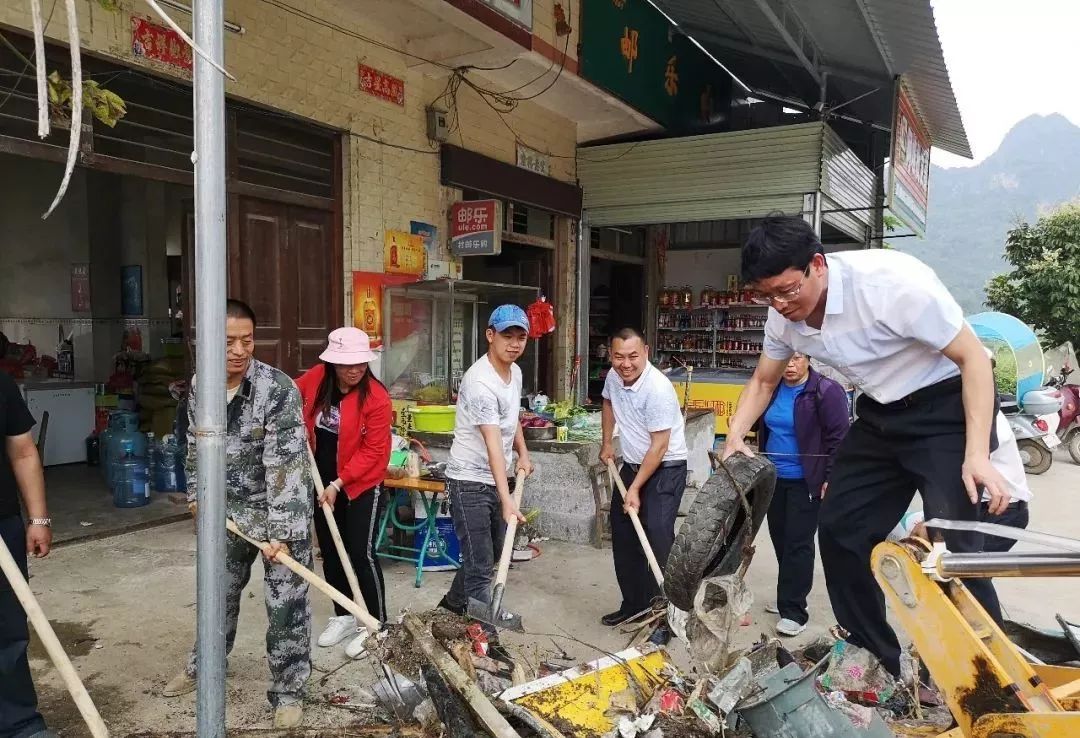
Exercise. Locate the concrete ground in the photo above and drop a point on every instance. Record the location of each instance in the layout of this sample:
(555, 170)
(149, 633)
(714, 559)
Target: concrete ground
(124, 608)
(82, 506)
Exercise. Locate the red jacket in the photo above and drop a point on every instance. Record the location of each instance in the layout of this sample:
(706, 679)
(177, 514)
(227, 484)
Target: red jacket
(364, 435)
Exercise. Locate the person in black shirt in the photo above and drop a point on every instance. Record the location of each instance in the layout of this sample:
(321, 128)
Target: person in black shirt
(20, 473)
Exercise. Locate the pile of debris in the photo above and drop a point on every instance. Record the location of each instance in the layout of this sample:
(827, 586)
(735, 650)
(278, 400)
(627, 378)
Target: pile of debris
(438, 674)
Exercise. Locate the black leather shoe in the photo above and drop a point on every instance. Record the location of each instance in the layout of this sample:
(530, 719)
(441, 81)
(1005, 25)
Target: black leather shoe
(445, 605)
(619, 617)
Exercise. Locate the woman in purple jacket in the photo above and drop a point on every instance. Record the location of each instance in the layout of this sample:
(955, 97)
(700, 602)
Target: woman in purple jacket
(800, 433)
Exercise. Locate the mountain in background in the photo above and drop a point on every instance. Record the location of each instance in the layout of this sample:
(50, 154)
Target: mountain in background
(1036, 167)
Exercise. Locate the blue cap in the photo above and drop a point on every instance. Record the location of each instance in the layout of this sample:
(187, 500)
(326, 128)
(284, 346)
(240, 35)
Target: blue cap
(508, 316)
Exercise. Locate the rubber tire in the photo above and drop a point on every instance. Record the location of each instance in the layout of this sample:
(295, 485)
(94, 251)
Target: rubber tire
(1036, 451)
(710, 541)
(1073, 442)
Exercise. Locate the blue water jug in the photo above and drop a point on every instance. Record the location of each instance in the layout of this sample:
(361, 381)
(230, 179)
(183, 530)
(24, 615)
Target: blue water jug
(125, 446)
(119, 421)
(164, 463)
(132, 486)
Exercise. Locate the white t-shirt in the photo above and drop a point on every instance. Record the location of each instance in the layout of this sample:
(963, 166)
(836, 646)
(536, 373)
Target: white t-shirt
(647, 406)
(887, 318)
(1005, 458)
(484, 399)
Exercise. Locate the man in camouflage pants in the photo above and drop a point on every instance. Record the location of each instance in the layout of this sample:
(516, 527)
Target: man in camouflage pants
(268, 496)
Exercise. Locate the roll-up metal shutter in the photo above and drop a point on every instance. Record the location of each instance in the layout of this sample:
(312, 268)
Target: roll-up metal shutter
(847, 188)
(741, 174)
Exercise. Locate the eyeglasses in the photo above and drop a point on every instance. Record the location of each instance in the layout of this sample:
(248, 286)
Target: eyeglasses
(781, 297)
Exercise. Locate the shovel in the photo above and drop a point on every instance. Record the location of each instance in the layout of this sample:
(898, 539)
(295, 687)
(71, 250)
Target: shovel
(358, 611)
(492, 613)
(636, 520)
(52, 645)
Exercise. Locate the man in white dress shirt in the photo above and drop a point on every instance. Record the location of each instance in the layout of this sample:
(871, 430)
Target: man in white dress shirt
(925, 420)
(641, 401)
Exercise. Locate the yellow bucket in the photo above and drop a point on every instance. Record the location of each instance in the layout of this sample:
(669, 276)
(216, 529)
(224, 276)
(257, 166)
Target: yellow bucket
(433, 418)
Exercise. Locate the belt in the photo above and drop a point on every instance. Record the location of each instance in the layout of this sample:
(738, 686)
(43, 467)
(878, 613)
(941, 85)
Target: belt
(1018, 505)
(663, 465)
(938, 389)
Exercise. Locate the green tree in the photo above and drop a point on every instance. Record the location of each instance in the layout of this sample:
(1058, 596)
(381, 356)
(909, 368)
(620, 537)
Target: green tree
(1043, 288)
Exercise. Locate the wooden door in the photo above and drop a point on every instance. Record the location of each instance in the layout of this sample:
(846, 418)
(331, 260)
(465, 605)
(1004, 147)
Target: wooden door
(286, 273)
(310, 239)
(282, 264)
(262, 279)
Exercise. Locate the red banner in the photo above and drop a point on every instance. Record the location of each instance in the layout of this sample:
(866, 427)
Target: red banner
(382, 85)
(151, 41)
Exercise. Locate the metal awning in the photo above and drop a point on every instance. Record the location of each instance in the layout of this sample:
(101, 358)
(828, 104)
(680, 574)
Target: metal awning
(854, 48)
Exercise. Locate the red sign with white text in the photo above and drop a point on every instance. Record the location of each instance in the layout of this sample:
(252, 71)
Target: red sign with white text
(382, 85)
(151, 41)
(476, 228)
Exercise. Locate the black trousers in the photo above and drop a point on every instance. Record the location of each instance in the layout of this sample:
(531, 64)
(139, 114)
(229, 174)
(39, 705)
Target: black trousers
(19, 715)
(1015, 516)
(660, 499)
(358, 522)
(890, 451)
(793, 521)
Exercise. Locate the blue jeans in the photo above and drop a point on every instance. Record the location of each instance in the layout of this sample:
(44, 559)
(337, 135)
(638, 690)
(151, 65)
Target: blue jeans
(480, 528)
(19, 716)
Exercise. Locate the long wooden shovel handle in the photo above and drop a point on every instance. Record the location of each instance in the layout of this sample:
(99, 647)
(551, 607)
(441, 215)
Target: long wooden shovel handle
(636, 520)
(52, 644)
(335, 533)
(511, 531)
(313, 579)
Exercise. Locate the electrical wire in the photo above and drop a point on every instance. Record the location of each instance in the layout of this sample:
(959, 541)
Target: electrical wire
(352, 34)
(28, 61)
(402, 147)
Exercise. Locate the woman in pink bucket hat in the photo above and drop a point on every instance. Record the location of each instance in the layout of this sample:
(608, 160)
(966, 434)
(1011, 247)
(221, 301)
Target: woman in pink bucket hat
(348, 415)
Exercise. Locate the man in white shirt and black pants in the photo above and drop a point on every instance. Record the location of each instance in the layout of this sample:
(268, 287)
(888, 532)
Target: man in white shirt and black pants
(925, 420)
(642, 402)
(487, 429)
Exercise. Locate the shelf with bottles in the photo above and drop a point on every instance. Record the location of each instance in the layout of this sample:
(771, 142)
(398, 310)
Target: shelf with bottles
(681, 341)
(685, 321)
(684, 299)
(741, 322)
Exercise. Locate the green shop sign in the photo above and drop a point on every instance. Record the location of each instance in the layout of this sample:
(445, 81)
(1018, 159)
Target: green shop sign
(631, 50)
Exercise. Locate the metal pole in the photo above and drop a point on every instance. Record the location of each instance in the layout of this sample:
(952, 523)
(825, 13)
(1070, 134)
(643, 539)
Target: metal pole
(584, 270)
(987, 565)
(210, 267)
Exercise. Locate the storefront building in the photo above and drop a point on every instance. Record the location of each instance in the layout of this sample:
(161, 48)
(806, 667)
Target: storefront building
(353, 131)
(837, 134)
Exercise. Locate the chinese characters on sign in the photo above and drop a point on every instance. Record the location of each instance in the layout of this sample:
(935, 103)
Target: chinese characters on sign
(533, 160)
(628, 47)
(403, 253)
(151, 41)
(476, 228)
(80, 288)
(909, 166)
(382, 85)
(671, 78)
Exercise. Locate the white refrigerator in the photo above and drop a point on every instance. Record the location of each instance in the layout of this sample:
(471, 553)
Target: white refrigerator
(71, 418)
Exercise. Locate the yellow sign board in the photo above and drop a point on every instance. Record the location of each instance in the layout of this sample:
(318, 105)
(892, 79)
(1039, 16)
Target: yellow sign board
(720, 398)
(404, 253)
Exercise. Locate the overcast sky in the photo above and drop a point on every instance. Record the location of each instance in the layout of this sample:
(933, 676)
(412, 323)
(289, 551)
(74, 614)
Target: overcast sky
(1008, 60)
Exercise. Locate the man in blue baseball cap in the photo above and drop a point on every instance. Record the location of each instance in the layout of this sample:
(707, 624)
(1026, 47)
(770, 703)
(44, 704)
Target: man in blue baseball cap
(486, 432)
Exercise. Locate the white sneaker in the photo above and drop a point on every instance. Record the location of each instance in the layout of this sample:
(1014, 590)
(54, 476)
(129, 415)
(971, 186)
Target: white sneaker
(772, 609)
(337, 630)
(788, 627)
(356, 645)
